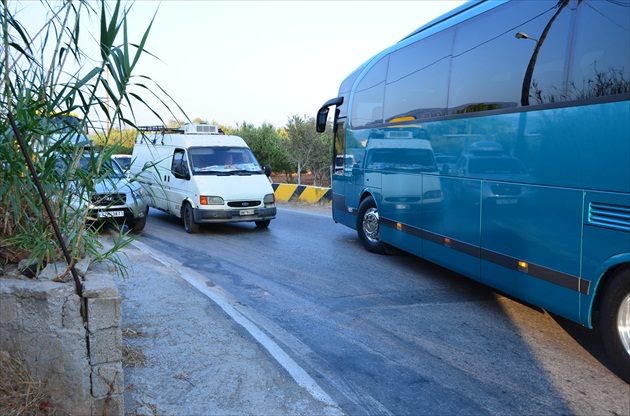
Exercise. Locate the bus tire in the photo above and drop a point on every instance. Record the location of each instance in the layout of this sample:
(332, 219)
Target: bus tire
(615, 322)
(190, 225)
(368, 227)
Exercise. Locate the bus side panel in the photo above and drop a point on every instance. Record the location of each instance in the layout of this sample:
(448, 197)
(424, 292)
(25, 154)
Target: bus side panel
(604, 228)
(400, 211)
(340, 212)
(531, 249)
(451, 230)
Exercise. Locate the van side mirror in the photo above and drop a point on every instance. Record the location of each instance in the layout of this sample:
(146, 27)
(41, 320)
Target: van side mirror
(267, 170)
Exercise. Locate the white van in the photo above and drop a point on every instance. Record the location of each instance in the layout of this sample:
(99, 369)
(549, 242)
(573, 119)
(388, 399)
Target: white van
(198, 174)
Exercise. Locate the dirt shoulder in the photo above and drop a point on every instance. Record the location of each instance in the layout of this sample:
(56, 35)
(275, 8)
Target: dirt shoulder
(324, 208)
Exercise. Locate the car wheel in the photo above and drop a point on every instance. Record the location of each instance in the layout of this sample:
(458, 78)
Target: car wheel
(615, 322)
(139, 225)
(189, 220)
(262, 223)
(368, 226)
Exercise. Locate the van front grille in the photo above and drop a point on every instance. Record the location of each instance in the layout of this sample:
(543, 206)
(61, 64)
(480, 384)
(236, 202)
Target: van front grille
(243, 204)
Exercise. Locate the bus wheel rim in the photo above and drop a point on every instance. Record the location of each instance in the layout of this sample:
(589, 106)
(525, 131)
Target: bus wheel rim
(370, 225)
(623, 323)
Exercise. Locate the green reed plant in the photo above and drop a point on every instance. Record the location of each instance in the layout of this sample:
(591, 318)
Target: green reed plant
(45, 77)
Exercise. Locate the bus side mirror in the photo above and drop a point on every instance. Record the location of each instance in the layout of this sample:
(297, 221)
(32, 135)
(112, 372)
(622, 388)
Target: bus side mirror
(322, 114)
(322, 117)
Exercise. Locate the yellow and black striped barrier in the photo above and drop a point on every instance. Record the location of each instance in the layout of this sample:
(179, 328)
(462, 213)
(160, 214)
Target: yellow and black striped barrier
(310, 194)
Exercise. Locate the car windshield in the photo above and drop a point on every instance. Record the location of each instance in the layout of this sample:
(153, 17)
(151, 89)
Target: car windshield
(113, 169)
(212, 160)
(123, 161)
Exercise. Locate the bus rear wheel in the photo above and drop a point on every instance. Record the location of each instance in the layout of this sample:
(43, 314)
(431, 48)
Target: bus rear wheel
(368, 226)
(615, 322)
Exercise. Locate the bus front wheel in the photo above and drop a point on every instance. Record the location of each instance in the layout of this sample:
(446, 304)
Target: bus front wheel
(368, 226)
(615, 322)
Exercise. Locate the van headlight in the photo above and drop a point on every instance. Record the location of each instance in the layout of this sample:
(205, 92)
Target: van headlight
(210, 200)
(269, 199)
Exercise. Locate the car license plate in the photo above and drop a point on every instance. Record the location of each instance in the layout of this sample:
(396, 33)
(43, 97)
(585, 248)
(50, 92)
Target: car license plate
(108, 214)
(510, 201)
(247, 212)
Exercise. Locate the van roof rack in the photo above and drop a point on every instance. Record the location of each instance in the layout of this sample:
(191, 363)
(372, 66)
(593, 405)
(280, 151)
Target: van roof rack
(159, 129)
(188, 128)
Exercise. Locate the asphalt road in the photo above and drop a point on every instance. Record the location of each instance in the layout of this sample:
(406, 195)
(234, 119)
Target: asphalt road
(392, 334)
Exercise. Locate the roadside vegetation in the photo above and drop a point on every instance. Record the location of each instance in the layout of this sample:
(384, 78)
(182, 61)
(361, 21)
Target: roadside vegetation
(46, 76)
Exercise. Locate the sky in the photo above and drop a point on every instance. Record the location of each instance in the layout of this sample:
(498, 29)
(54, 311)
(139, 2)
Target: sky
(263, 61)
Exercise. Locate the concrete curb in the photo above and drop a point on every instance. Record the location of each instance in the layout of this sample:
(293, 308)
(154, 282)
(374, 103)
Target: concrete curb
(310, 194)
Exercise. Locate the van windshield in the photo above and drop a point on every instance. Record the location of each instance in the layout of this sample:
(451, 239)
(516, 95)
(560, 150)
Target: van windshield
(223, 160)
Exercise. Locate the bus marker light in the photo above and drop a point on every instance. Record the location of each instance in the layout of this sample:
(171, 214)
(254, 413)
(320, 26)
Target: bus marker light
(447, 241)
(523, 266)
(398, 226)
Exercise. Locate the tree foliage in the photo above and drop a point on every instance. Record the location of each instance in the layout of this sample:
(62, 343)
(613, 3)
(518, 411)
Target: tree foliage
(265, 143)
(311, 150)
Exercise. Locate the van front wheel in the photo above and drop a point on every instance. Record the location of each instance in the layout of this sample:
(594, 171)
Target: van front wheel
(262, 223)
(189, 220)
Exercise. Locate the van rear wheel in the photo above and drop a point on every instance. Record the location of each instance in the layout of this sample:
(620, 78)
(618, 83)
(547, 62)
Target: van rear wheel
(190, 225)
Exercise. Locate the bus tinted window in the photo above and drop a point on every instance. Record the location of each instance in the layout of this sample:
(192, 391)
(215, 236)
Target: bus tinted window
(368, 98)
(344, 91)
(490, 63)
(601, 60)
(417, 80)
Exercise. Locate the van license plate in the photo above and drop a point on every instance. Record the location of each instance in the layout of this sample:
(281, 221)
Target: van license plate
(108, 214)
(247, 212)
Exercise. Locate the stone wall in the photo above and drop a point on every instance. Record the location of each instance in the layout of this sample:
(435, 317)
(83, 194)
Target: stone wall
(41, 324)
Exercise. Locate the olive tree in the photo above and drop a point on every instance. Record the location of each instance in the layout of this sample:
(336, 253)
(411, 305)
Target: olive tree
(310, 150)
(265, 143)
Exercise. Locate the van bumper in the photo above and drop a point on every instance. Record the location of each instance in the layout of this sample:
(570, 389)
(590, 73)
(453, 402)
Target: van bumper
(204, 216)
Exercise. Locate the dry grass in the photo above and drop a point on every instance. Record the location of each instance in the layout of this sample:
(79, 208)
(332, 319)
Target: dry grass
(131, 333)
(133, 357)
(19, 394)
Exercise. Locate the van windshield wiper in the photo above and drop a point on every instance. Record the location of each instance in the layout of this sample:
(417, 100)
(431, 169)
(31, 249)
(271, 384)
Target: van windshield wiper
(244, 172)
(213, 172)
